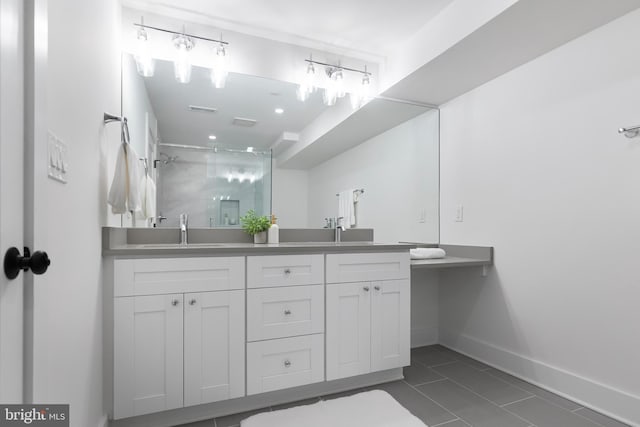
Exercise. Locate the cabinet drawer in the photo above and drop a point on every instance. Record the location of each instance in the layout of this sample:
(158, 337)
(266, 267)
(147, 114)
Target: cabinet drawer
(284, 312)
(176, 275)
(284, 270)
(366, 267)
(283, 363)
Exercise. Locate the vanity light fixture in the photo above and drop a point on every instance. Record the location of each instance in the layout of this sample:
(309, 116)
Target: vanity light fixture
(334, 84)
(308, 82)
(363, 91)
(184, 44)
(220, 69)
(144, 62)
(182, 64)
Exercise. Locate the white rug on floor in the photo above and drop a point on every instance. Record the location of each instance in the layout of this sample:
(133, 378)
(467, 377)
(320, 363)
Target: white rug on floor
(369, 409)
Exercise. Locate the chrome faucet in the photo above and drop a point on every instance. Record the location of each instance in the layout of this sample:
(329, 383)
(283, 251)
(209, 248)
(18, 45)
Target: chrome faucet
(184, 222)
(339, 229)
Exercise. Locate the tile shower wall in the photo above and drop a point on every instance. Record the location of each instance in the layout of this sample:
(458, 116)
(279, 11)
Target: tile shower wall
(214, 189)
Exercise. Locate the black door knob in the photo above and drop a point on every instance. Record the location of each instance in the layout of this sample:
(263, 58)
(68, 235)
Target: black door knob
(14, 262)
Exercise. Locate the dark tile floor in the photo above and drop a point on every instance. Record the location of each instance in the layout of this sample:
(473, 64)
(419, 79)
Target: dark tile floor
(448, 389)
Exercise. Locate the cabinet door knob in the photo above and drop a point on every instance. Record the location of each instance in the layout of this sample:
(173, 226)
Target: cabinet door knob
(287, 271)
(287, 363)
(287, 312)
(377, 288)
(366, 288)
(174, 302)
(192, 302)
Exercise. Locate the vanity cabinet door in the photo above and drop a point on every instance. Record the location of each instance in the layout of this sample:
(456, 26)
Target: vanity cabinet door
(390, 324)
(213, 346)
(348, 329)
(148, 354)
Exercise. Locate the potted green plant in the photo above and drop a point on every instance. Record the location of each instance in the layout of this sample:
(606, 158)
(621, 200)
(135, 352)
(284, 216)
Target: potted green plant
(256, 225)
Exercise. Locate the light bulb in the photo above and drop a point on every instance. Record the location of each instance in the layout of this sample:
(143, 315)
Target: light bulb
(144, 62)
(339, 82)
(362, 93)
(220, 69)
(182, 63)
(307, 83)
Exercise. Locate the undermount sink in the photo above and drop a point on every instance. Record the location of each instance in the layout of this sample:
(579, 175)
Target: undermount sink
(178, 245)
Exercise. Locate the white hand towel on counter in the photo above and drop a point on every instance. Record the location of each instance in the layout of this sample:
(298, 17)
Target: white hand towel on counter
(124, 194)
(346, 208)
(427, 253)
(148, 193)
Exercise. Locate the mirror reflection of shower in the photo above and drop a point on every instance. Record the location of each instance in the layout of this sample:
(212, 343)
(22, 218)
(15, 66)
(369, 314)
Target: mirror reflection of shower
(214, 185)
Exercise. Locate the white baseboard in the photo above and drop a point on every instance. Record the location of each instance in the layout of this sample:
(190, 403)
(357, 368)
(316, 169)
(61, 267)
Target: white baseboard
(602, 398)
(423, 336)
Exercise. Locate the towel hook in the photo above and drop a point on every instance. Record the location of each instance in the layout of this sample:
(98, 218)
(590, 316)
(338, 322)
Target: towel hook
(110, 118)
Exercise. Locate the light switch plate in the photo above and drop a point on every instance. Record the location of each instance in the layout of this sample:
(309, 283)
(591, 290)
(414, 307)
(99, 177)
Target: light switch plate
(57, 159)
(460, 213)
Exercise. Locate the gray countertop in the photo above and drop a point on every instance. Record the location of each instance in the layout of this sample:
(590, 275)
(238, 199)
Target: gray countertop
(225, 249)
(458, 256)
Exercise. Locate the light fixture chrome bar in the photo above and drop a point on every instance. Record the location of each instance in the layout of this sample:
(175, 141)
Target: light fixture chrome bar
(631, 132)
(178, 32)
(365, 72)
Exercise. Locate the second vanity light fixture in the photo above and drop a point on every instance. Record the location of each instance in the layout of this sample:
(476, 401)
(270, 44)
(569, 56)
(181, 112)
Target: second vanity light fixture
(334, 85)
(184, 44)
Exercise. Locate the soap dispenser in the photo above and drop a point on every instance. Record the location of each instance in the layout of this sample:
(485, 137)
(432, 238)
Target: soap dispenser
(274, 232)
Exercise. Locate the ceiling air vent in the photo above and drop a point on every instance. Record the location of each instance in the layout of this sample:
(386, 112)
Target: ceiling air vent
(201, 109)
(240, 121)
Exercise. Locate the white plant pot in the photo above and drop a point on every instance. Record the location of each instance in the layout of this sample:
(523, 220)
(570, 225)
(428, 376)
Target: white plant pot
(260, 237)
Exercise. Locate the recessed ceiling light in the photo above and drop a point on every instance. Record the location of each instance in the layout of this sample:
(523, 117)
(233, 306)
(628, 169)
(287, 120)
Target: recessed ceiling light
(212, 137)
(279, 110)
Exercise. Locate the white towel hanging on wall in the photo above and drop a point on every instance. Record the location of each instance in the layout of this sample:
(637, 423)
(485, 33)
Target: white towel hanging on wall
(148, 194)
(346, 208)
(124, 194)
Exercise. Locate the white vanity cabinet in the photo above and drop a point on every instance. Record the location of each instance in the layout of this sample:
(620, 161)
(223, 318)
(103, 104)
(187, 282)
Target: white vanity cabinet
(368, 313)
(285, 321)
(179, 333)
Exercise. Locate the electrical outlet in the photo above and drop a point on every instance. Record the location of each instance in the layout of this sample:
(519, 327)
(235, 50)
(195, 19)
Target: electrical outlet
(460, 213)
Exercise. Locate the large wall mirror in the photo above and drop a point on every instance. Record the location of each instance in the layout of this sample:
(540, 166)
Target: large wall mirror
(209, 150)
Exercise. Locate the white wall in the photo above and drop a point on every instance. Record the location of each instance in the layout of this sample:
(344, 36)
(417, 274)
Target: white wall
(544, 177)
(290, 194)
(83, 81)
(398, 170)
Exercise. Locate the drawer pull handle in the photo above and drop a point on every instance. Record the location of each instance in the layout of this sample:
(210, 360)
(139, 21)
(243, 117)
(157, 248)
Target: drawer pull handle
(287, 312)
(174, 302)
(287, 363)
(192, 302)
(366, 288)
(377, 288)
(287, 271)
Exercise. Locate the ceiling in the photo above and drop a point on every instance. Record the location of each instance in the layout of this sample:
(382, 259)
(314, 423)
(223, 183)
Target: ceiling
(244, 96)
(372, 26)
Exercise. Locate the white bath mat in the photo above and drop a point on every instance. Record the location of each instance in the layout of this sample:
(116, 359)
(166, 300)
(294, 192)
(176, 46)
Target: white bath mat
(369, 409)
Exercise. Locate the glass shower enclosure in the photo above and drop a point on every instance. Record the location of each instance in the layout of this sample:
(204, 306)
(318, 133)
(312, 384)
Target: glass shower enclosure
(215, 186)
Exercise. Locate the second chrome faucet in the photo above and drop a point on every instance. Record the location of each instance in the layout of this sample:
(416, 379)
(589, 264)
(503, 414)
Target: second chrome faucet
(184, 225)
